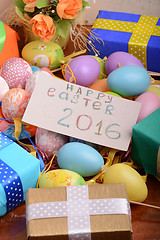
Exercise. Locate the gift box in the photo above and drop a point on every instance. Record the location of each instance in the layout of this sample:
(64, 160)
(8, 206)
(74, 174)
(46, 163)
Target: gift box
(99, 211)
(19, 171)
(146, 143)
(8, 43)
(133, 33)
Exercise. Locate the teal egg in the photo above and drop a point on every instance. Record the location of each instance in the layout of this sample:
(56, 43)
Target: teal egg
(129, 81)
(80, 158)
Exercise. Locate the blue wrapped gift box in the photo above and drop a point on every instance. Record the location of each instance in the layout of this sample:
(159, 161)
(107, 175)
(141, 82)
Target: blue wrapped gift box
(19, 171)
(132, 33)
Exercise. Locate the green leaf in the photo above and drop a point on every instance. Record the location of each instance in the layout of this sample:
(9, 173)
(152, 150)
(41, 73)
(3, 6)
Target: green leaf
(62, 28)
(20, 14)
(19, 4)
(42, 3)
(85, 4)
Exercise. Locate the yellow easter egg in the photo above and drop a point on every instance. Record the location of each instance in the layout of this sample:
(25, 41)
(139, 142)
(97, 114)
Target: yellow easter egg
(43, 54)
(154, 89)
(122, 173)
(59, 178)
(113, 93)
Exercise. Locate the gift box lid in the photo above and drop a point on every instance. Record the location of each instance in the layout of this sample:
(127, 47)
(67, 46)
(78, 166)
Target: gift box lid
(114, 226)
(146, 143)
(133, 33)
(19, 171)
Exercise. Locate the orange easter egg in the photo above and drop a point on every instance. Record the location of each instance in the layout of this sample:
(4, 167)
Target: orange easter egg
(100, 85)
(14, 103)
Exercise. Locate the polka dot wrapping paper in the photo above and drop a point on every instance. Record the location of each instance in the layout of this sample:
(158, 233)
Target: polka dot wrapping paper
(133, 33)
(79, 212)
(19, 171)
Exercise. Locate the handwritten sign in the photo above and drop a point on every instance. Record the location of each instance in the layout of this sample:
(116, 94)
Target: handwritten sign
(80, 112)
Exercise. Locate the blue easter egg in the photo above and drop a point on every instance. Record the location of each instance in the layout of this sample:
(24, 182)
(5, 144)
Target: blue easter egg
(35, 68)
(80, 158)
(129, 81)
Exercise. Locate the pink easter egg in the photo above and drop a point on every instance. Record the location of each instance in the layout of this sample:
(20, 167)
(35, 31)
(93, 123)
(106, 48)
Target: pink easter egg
(49, 142)
(31, 81)
(83, 70)
(3, 88)
(150, 103)
(46, 70)
(15, 71)
(14, 103)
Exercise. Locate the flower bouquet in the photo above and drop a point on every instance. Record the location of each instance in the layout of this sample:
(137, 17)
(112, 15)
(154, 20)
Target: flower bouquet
(49, 19)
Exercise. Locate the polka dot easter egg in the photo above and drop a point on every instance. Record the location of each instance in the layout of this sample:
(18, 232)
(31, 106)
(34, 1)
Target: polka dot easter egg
(14, 103)
(59, 178)
(42, 54)
(15, 71)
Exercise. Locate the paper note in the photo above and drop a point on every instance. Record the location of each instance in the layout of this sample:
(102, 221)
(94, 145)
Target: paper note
(80, 112)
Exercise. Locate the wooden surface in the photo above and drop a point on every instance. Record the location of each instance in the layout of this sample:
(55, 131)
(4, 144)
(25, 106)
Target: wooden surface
(145, 220)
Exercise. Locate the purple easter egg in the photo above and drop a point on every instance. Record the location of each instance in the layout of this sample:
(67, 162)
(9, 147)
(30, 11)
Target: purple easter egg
(85, 69)
(120, 59)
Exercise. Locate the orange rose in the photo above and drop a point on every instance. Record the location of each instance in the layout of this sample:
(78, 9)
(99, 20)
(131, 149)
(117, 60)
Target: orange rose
(43, 27)
(68, 9)
(30, 5)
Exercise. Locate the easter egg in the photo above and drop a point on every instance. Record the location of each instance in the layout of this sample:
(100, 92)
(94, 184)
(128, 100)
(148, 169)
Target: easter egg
(121, 59)
(82, 70)
(100, 85)
(72, 139)
(150, 103)
(43, 54)
(47, 70)
(60, 178)
(154, 89)
(129, 81)
(3, 87)
(80, 158)
(15, 71)
(31, 81)
(114, 94)
(34, 68)
(49, 142)
(14, 103)
(122, 173)
(102, 67)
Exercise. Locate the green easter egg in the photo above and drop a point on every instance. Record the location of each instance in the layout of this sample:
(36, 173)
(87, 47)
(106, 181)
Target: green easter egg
(113, 93)
(103, 73)
(43, 54)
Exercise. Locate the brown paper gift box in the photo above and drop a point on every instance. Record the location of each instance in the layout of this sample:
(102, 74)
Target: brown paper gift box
(107, 226)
